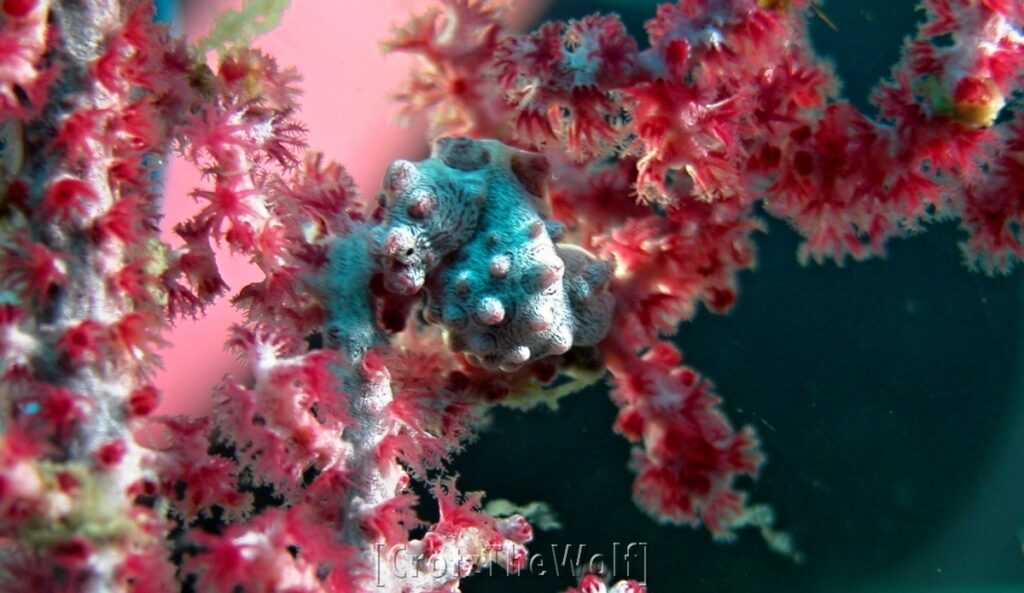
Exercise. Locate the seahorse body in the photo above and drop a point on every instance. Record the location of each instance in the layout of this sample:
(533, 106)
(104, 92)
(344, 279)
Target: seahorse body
(470, 227)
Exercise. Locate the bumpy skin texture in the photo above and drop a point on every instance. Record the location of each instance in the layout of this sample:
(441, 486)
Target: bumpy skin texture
(469, 226)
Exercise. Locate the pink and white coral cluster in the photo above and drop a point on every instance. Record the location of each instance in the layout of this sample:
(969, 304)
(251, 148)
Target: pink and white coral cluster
(727, 110)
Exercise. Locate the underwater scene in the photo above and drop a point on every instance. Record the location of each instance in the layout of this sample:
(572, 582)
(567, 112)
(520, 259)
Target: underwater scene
(578, 296)
(886, 392)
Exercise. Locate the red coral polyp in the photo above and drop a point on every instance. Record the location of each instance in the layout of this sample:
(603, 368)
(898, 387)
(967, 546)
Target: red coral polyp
(110, 454)
(69, 201)
(19, 9)
(84, 342)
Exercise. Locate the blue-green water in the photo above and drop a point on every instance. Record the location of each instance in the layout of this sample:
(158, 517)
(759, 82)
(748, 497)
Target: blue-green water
(887, 396)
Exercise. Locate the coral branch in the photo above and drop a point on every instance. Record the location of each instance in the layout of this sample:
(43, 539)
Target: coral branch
(588, 196)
